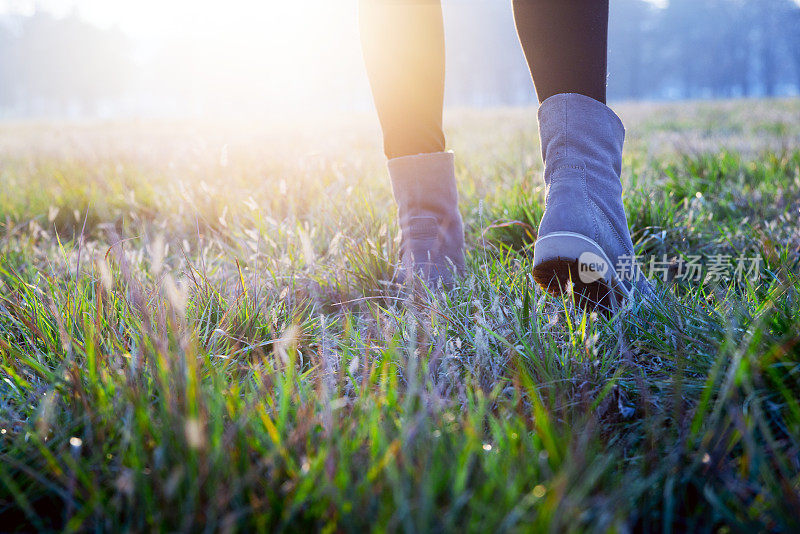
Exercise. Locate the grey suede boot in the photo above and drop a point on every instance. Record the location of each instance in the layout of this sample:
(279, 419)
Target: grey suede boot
(583, 236)
(432, 232)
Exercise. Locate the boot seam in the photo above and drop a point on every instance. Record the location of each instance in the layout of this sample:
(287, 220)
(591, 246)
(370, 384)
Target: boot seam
(586, 199)
(566, 129)
(566, 166)
(613, 230)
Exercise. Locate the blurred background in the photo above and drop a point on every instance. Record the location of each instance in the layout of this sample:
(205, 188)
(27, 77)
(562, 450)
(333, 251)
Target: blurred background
(154, 58)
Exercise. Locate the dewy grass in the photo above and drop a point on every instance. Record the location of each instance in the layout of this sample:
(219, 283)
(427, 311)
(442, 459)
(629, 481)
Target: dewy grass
(190, 343)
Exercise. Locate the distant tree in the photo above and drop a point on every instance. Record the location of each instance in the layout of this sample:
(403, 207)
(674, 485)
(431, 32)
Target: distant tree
(727, 64)
(767, 24)
(739, 43)
(6, 68)
(63, 62)
(689, 31)
(630, 63)
(485, 64)
(791, 28)
(727, 47)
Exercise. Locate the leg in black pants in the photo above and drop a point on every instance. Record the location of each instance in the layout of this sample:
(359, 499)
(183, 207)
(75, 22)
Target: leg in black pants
(583, 240)
(403, 47)
(403, 43)
(565, 43)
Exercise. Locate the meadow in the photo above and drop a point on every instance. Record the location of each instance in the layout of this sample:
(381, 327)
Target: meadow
(198, 333)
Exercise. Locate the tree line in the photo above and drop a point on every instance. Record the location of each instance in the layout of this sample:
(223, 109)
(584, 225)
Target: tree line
(704, 48)
(678, 49)
(682, 49)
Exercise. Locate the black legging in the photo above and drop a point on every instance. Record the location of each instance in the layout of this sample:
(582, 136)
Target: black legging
(564, 42)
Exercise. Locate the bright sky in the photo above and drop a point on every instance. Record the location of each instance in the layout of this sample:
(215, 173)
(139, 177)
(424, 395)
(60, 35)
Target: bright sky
(147, 19)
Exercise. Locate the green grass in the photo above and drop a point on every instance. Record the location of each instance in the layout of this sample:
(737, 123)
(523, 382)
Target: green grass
(195, 335)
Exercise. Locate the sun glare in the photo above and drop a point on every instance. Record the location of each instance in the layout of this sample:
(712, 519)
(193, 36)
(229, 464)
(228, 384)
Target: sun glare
(271, 55)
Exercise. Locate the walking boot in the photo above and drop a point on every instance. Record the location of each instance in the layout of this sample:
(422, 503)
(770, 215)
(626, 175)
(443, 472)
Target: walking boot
(583, 235)
(432, 245)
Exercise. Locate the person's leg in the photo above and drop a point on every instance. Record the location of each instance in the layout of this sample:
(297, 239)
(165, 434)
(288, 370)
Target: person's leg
(583, 236)
(565, 43)
(403, 46)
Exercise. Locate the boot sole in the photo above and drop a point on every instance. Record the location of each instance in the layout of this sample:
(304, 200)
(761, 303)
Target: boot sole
(561, 258)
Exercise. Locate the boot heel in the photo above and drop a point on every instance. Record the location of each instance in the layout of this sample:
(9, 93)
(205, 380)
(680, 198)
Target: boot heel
(563, 258)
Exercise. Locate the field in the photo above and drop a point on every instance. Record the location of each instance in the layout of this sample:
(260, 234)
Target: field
(197, 334)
